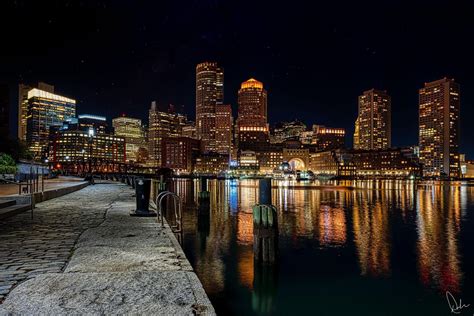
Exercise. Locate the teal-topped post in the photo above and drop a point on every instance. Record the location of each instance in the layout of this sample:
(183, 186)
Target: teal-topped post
(265, 225)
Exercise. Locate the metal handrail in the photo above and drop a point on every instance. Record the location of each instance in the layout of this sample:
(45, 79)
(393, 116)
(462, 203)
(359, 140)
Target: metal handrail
(30, 189)
(177, 210)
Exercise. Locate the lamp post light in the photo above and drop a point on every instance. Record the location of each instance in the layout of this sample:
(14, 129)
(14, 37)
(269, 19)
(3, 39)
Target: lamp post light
(91, 136)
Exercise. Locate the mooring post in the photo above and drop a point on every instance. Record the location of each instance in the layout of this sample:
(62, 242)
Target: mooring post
(265, 225)
(204, 196)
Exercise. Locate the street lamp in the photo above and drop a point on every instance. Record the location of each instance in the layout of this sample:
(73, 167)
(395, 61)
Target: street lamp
(91, 135)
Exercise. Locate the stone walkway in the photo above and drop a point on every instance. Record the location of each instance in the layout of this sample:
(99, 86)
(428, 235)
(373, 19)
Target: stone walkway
(126, 265)
(32, 247)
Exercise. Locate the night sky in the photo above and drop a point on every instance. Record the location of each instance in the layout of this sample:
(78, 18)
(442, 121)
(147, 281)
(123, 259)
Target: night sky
(314, 57)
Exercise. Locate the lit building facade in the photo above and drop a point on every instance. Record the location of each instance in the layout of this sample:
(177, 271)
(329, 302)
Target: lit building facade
(131, 130)
(327, 138)
(75, 150)
(23, 104)
(209, 94)
(179, 154)
(439, 107)
(189, 130)
(373, 125)
(160, 125)
(43, 111)
(96, 122)
(252, 115)
(224, 122)
(211, 164)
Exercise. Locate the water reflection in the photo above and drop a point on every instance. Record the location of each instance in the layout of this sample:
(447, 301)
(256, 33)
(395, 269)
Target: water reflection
(438, 225)
(371, 228)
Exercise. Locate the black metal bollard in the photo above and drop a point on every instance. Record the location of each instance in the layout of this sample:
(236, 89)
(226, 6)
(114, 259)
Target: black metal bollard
(127, 179)
(142, 192)
(265, 225)
(133, 181)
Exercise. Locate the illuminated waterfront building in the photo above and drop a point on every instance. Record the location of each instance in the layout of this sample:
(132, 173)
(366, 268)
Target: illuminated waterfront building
(4, 111)
(74, 148)
(211, 164)
(224, 124)
(43, 110)
(356, 134)
(385, 163)
(439, 106)
(373, 125)
(132, 131)
(209, 94)
(288, 130)
(179, 154)
(252, 115)
(160, 125)
(327, 138)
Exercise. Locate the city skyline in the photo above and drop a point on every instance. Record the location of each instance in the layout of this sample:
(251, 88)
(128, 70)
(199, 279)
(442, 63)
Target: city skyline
(318, 72)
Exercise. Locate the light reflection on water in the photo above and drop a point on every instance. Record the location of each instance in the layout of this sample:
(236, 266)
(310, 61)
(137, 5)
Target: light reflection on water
(395, 240)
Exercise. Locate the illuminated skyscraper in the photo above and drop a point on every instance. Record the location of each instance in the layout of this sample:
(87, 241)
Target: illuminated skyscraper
(160, 125)
(23, 90)
(132, 131)
(252, 115)
(224, 122)
(43, 110)
(439, 103)
(374, 120)
(209, 94)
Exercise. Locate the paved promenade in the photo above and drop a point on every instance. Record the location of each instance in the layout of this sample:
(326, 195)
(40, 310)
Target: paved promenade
(83, 254)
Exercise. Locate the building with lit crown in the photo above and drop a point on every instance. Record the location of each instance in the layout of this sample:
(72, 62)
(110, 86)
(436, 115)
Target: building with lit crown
(252, 126)
(439, 107)
(209, 94)
(39, 111)
(373, 124)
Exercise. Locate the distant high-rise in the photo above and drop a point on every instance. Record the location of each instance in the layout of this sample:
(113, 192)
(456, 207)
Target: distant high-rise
(160, 125)
(132, 131)
(439, 103)
(39, 111)
(224, 122)
(374, 121)
(4, 111)
(209, 94)
(252, 114)
(328, 138)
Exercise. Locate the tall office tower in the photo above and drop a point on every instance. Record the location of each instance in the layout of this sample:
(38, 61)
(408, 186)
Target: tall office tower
(374, 120)
(40, 110)
(160, 125)
(23, 90)
(224, 122)
(4, 111)
(439, 103)
(252, 115)
(132, 131)
(356, 135)
(209, 94)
